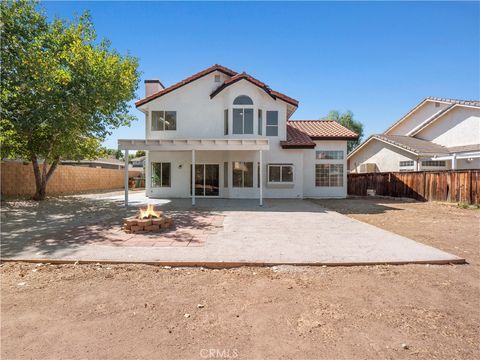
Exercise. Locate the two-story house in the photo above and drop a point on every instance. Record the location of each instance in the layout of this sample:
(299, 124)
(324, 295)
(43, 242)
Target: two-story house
(437, 134)
(226, 134)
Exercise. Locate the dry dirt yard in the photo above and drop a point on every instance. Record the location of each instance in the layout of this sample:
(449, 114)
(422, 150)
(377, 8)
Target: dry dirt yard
(148, 312)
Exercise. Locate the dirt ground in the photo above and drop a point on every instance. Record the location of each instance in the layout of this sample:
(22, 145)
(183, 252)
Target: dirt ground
(368, 312)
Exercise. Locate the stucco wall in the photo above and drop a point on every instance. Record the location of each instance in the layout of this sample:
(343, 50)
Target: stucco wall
(416, 118)
(385, 156)
(181, 163)
(18, 179)
(198, 116)
(309, 162)
(460, 126)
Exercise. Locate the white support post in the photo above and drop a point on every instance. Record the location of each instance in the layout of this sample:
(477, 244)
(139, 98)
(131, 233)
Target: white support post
(193, 177)
(126, 178)
(454, 162)
(261, 177)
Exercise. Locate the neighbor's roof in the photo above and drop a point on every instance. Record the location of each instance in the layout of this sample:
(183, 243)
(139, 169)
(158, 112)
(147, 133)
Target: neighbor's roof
(455, 101)
(234, 78)
(140, 158)
(302, 133)
(410, 144)
(464, 148)
(452, 102)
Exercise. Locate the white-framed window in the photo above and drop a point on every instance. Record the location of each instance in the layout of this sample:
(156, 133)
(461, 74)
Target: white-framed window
(328, 175)
(407, 165)
(434, 163)
(260, 122)
(329, 154)
(225, 122)
(164, 120)
(272, 123)
(161, 174)
(242, 115)
(280, 173)
(242, 174)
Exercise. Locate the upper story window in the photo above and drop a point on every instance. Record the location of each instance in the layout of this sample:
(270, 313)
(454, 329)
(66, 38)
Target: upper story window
(242, 100)
(272, 123)
(242, 115)
(164, 120)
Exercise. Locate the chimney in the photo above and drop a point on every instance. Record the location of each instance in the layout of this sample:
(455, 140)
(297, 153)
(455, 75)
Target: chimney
(153, 86)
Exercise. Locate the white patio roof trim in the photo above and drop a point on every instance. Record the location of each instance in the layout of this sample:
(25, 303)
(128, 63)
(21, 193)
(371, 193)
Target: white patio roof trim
(193, 144)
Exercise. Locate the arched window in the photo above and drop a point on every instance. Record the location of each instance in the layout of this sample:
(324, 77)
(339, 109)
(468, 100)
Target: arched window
(242, 115)
(242, 100)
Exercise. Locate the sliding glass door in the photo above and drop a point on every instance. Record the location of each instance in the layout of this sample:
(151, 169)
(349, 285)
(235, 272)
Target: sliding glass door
(207, 180)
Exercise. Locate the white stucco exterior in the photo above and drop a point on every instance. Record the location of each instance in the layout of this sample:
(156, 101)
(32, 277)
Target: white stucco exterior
(199, 116)
(454, 125)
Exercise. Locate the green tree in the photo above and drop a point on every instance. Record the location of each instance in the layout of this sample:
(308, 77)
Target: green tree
(346, 119)
(117, 154)
(62, 90)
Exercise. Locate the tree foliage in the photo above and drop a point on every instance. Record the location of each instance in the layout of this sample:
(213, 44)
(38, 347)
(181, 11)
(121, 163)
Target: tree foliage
(62, 89)
(346, 119)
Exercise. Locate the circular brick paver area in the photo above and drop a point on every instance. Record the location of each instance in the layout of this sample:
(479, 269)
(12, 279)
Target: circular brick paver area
(190, 229)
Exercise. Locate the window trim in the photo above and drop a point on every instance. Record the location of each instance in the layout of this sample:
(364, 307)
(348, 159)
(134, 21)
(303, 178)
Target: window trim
(164, 120)
(243, 175)
(158, 186)
(225, 122)
(329, 170)
(281, 166)
(318, 152)
(243, 108)
(259, 121)
(425, 163)
(271, 126)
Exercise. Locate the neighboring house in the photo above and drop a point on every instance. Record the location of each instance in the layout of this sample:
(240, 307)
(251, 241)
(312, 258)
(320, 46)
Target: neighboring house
(104, 163)
(138, 163)
(437, 134)
(236, 132)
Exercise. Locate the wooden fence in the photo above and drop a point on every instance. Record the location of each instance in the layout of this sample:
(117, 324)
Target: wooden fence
(448, 185)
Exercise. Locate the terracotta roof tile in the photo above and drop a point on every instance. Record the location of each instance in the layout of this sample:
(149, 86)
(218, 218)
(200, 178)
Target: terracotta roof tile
(186, 81)
(323, 129)
(263, 86)
(301, 133)
(297, 139)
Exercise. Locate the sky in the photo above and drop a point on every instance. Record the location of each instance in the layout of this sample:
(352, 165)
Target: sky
(377, 59)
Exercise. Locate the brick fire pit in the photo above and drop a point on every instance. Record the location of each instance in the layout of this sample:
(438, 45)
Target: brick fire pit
(147, 220)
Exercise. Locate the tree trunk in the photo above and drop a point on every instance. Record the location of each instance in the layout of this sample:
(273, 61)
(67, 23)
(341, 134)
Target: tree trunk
(42, 177)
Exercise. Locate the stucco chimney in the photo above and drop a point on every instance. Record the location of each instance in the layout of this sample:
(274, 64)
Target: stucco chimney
(153, 86)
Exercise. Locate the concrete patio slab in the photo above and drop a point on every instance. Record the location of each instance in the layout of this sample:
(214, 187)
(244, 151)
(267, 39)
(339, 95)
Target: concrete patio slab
(280, 232)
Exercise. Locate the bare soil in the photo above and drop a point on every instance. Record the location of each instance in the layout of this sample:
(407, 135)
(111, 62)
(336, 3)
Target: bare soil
(367, 312)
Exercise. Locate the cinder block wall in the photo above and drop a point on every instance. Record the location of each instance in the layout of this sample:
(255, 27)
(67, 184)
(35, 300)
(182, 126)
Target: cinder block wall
(18, 179)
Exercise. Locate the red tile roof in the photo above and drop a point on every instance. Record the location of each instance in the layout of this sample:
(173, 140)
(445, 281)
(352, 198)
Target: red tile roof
(301, 133)
(186, 81)
(297, 139)
(254, 81)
